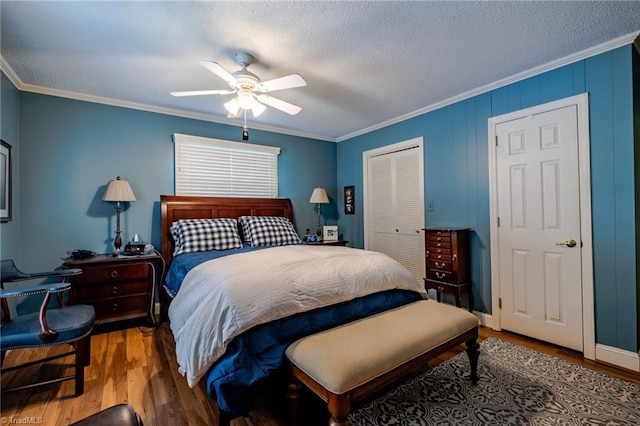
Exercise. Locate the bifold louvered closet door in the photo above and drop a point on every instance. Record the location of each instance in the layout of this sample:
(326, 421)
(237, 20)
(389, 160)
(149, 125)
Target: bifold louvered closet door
(395, 204)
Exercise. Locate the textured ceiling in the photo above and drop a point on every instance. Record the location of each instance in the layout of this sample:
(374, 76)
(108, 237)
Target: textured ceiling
(365, 63)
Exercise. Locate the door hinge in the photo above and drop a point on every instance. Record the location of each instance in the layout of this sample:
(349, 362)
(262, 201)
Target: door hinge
(496, 140)
(498, 221)
(499, 302)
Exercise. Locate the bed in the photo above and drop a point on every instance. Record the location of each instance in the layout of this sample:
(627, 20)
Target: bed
(234, 310)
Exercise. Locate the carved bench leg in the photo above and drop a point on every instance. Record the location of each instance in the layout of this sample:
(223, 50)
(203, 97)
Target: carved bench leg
(473, 354)
(294, 400)
(339, 406)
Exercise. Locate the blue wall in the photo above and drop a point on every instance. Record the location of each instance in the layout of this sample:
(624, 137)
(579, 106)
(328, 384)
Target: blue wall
(70, 149)
(9, 132)
(457, 177)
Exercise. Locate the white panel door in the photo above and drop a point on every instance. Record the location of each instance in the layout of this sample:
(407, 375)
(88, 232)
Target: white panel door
(539, 227)
(396, 208)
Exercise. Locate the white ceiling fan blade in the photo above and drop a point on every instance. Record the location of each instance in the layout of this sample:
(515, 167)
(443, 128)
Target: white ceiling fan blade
(220, 72)
(286, 82)
(279, 104)
(202, 92)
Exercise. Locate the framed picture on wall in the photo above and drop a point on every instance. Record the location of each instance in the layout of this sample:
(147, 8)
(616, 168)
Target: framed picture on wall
(5, 181)
(349, 199)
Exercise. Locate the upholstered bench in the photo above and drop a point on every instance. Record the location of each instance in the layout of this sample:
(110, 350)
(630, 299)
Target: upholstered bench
(349, 362)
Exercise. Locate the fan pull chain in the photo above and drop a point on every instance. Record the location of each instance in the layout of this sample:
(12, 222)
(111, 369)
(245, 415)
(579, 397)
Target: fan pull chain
(245, 129)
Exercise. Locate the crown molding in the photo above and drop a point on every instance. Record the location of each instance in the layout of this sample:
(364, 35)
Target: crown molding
(4, 66)
(10, 73)
(633, 38)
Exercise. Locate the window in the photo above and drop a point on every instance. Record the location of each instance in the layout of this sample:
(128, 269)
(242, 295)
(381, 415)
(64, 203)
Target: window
(218, 168)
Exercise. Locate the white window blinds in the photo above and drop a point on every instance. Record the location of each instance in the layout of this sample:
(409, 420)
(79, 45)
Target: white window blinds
(218, 168)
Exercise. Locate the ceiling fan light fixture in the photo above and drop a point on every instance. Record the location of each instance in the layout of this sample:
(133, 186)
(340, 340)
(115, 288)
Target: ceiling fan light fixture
(258, 108)
(232, 106)
(245, 98)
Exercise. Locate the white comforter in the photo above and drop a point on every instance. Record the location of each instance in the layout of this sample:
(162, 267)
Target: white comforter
(221, 298)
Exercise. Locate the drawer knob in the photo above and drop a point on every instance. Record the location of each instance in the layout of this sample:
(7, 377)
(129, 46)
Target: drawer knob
(115, 289)
(438, 239)
(114, 274)
(115, 307)
(439, 265)
(440, 275)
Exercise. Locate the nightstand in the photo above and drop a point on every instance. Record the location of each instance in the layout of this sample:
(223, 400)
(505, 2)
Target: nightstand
(119, 288)
(328, 243)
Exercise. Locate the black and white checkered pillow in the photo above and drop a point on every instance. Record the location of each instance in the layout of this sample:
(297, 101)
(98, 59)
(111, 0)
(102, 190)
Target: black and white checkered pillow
(270, 231)
(246, 229)
(191, 235)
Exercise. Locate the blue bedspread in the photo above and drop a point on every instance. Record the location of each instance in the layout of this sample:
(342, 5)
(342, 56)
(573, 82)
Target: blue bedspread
(232, 381)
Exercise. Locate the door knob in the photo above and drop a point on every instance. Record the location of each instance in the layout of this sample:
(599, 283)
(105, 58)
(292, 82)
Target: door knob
(568, 243)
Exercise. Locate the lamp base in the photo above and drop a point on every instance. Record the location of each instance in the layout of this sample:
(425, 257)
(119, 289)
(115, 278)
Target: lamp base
(117, 243)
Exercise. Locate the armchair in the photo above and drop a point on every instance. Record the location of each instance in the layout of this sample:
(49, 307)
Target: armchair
(50, 326)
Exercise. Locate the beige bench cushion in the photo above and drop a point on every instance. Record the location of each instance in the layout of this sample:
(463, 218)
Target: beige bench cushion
(345, 357)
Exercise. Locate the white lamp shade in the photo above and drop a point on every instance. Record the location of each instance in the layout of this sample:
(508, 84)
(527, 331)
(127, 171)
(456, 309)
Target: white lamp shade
(319, 195)
(258, 109)
(232, 106)
(118, 190)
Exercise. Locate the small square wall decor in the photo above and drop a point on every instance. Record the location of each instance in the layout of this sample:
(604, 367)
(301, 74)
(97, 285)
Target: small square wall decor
(330, 233)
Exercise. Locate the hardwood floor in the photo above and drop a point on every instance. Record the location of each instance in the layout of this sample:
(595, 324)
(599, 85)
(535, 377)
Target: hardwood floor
(137, 365)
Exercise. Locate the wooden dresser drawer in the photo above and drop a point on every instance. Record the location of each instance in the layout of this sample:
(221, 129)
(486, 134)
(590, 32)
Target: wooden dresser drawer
(439, 252)
(439, 238)
(119, 307)
(114, 273)
(100, 291)
(439, 275)
(440, 265)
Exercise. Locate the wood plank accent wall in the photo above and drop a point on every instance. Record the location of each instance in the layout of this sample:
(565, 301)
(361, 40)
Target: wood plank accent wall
(457, 177)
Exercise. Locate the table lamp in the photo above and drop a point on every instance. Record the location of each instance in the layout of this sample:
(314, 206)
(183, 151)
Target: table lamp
(319, 196)
(118, 190)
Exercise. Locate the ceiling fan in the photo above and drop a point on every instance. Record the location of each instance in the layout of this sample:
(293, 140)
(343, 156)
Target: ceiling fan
(251, 93)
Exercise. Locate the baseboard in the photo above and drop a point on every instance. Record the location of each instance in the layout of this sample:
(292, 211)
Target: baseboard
(618, 357)
(607, 354)
(485, 319)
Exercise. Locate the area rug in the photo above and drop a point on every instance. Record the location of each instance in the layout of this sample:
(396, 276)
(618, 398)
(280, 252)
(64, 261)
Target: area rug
(517, 386)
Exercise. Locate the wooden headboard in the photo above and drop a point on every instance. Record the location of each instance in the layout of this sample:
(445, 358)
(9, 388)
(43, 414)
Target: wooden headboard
(174, 207)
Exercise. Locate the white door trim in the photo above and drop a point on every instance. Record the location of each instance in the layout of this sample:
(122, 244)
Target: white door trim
(387, 149)
(584, 165)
